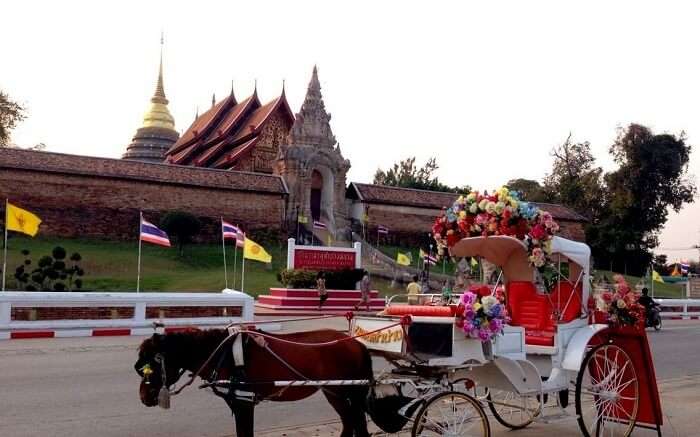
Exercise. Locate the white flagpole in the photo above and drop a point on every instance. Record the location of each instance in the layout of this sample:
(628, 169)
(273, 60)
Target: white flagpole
(243, 274)
(4, 259)
(138, 271)
(235, 260)
(223, 247)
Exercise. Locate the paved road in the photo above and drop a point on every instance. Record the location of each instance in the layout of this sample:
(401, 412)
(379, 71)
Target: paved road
(86, 387)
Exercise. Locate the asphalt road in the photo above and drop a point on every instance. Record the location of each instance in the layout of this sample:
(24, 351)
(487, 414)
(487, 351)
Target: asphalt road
(87, 387)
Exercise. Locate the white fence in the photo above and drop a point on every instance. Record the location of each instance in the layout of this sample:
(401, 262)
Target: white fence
(71, 311)
(679, 308)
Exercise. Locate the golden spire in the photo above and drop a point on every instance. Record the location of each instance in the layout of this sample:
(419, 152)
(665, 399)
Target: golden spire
(158, 114)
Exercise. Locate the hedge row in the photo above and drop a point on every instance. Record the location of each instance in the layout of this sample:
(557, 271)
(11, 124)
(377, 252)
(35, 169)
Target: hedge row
(337, 280)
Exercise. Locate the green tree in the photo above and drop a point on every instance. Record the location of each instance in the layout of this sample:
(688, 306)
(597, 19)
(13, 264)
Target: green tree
(575, 180)
(529, 190)
(182, 225)
(406, 174)
(11, 113)
(652, 178)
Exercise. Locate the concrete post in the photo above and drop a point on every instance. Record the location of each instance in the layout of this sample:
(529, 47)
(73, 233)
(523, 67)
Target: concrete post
(291, 243)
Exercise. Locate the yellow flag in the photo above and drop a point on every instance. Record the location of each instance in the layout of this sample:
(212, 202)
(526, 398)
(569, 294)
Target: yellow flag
(253, 250)
(656, 276)
(20, 220)
(402, 259)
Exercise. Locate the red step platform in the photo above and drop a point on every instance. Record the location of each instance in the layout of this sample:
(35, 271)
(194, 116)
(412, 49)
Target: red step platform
(304, 299)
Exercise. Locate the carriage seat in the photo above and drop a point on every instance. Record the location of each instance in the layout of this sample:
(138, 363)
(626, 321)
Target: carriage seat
(562, 293)
(532, 311)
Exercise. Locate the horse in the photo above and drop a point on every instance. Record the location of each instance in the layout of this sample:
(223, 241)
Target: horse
(164, 358)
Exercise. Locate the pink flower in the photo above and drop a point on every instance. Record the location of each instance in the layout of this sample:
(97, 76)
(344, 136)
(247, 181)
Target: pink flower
(538, 232)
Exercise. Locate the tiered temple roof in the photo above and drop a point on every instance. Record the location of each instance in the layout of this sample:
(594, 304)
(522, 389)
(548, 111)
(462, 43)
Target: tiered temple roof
(228, 131)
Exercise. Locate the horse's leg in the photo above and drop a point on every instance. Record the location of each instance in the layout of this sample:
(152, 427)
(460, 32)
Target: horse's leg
(342, 406)
(357, 404)
(244, 413)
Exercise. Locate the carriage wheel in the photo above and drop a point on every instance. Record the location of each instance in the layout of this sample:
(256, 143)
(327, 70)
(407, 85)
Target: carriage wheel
(607, 393)
(512, 410)
(451, 414)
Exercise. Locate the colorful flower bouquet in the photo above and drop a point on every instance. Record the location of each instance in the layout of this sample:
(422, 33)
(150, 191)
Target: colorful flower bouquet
(500, 213)
(621, 306)
(484, 315)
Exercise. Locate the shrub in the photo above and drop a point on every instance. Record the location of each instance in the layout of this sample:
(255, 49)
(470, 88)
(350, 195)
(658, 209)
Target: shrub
(339, 280)
(181, 225)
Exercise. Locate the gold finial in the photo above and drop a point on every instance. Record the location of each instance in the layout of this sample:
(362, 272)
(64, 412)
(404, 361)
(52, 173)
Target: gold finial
(158, 114)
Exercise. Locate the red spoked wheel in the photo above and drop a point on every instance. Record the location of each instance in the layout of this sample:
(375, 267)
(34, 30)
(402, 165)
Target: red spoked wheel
(607, 393)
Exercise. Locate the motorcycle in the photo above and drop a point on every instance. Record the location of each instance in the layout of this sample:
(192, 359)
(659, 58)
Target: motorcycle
(653, 319)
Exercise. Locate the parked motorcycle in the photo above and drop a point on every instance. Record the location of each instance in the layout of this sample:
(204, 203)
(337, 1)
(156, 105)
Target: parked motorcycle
(654, 318)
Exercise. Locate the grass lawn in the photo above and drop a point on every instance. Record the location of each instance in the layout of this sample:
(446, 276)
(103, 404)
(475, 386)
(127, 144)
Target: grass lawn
(660, 290)
(111, 266)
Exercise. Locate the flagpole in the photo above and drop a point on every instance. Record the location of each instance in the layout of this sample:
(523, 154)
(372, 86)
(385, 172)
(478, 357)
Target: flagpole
(235, 260)
(138, 270)
(223, 247)
(243, 267)
(4, 258)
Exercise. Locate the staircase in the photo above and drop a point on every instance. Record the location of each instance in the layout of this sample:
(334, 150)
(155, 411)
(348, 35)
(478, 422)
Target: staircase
(305, 299)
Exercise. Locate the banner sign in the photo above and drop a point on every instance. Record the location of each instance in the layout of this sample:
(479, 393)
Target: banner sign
(386, 340)
(319, 259)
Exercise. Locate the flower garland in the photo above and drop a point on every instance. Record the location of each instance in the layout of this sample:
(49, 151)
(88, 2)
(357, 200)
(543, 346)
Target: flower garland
(621, 307)
(500, 213)
(484, 315)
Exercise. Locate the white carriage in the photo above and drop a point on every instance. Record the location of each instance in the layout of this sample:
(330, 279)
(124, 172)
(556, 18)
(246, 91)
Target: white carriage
(442, 380)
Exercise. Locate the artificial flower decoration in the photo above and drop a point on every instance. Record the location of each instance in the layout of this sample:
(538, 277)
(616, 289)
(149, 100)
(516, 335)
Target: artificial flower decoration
(500, 213)
(621, 306)
(483, 317)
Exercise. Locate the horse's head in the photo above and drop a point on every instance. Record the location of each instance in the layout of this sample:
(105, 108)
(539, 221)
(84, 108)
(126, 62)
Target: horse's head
(157, 366)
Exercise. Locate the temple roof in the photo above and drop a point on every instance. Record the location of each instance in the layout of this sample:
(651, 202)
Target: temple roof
(224, 133)
(383, 194)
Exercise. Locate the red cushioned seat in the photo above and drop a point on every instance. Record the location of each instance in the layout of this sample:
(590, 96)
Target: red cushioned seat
(562, 293)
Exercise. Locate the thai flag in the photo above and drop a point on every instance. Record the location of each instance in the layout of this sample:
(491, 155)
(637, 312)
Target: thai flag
(685, 266)
(381, 229)
(151, 234)
(319, 225)
(430, 259)
(233, 232)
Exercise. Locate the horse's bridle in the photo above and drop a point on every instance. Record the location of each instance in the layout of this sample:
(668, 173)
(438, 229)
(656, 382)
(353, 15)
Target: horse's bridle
(146, 372)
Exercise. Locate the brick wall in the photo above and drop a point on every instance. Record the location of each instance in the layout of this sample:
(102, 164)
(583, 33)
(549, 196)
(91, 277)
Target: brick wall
(90, 204)
(174, 312)
(70, 313)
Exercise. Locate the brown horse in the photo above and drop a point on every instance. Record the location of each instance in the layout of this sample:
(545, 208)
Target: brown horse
(265, 362)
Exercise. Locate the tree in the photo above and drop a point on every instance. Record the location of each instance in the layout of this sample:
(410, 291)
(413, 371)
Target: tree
(11, 113)
(575, 180)
(659, 264)
(529, 190)
(651, 178)
(182, 225)
(405, 174)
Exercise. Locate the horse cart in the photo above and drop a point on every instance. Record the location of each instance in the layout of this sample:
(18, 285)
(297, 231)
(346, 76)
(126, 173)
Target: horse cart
(440, 382)
(549, 354)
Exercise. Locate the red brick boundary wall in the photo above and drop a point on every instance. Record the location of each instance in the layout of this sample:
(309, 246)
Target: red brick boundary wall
(98, 197)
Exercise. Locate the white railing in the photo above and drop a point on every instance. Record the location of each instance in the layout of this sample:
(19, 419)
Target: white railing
(138, 301)
(688, 307)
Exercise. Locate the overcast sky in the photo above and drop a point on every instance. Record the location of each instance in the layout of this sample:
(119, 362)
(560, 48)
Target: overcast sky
(487, 87)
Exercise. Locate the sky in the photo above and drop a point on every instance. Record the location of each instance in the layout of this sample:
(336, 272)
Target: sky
(488, 88)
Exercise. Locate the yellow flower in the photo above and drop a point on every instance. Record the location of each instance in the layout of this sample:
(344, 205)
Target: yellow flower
(146, 370)
(476, 306)
(503, 193)
(462, 214)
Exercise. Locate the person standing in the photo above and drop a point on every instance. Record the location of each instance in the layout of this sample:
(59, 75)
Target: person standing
(413, 290)
(365, 291)
(321, 288)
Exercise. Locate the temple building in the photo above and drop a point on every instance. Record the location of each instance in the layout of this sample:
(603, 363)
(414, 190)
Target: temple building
(269, 138)
(157, 134)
